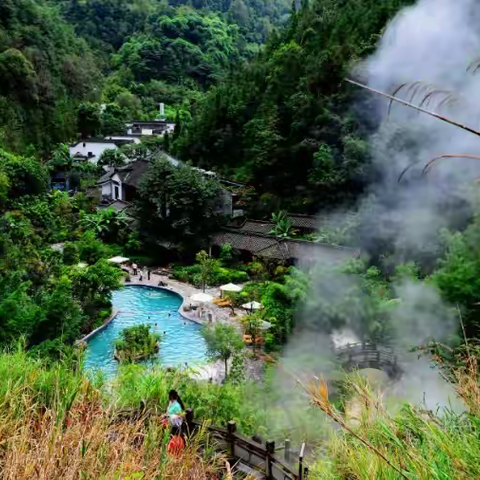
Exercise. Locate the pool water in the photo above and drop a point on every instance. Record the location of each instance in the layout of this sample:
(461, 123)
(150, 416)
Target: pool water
(181, 338)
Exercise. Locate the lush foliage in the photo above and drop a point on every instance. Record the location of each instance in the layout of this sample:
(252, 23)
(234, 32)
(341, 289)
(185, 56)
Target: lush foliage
(284, 122)
(179, 204)
(45, 71)
(458, 274)
(136, 343)
(223, 342)
(209, 271)
(44, 296)
(108, 224)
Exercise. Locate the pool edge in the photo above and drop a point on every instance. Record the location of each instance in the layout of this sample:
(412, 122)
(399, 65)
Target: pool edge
(116, 312)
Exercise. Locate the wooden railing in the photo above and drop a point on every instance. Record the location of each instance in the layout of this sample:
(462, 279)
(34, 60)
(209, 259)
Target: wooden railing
(258, 457)
(368, 355)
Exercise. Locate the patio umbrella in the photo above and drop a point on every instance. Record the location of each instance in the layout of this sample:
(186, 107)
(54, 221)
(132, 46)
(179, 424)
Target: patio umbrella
(265, 325)
(202, 297)
(118, 260)
(231, 287)
(252, 306)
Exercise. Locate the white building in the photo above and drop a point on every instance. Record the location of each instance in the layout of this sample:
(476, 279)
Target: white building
(91, 149)
(157, 127)
(121, 183)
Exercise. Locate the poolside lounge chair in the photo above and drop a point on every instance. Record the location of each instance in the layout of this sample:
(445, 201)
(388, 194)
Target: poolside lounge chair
(221, 302)
(248, 340)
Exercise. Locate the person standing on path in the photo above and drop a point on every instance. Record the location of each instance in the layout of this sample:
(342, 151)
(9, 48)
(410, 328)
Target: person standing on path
(135, 268)
(148, 274)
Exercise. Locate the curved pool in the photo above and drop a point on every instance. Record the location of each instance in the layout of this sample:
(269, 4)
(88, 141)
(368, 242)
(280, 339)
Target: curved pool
(181, 338)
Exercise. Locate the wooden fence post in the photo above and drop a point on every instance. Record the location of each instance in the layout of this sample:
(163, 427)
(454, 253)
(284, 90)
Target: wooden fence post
(231, 429)
(189, 421)
(300, 463)
(287, 450)
(268, 461)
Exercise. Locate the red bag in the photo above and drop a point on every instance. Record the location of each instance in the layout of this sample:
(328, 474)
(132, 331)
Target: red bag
(176, 445)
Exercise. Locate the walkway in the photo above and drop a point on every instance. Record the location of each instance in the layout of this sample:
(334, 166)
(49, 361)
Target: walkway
(185, 290)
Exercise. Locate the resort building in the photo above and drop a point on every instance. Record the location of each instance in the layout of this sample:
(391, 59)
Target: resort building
(254, 239)
(121, 183)
(156, 127)
(91, 149)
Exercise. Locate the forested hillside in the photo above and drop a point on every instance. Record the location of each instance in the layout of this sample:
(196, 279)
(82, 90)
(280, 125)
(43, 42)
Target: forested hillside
(156, 51)
(111, 22)
(286, 122)
(45, 70)
(56, 55)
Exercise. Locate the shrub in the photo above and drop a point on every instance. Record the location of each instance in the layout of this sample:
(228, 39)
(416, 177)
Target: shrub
(219, 275)
(71, 255)
(136, 343)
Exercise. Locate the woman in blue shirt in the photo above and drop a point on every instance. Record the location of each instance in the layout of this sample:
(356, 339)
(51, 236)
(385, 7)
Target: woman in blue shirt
(175, 412)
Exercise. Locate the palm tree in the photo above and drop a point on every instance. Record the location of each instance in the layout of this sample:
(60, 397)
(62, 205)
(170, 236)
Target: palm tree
(282, 224)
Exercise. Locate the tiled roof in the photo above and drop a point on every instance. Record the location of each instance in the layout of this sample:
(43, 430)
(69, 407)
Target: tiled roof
(118, 205)
(266, 226)
(244, 241)
(283, 248)
(132, 173)
(257, 226)
(106, 176)
(303, 221)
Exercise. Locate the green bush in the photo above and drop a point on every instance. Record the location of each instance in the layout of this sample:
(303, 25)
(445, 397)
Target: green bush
(71, 255)
(220, 275)
(135, 343)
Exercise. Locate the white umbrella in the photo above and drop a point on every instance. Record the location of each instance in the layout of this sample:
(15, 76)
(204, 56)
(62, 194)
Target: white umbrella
(265, 325)
(252, 306)
(202, 297)
(231, 287)
(118, 260)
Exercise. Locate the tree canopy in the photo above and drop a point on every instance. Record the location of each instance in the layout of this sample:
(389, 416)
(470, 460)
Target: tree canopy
(285, 122)
(178, 203)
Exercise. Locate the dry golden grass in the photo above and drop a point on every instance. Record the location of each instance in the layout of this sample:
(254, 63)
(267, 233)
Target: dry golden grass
(91, 441)
(413, 444)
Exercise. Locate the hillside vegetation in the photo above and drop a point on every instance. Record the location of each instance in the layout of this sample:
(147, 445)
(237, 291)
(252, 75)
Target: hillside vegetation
(286, 122)
(45, 71)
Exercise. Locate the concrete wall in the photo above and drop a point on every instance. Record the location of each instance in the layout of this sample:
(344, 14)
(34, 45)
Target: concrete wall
(108, 188)
(96, 148)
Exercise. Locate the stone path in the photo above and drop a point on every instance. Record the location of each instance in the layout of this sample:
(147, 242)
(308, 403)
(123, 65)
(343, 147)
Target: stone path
(215, 370)
(185, 290)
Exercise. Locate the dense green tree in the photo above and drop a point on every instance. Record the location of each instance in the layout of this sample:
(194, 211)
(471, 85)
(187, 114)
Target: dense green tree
(207, 267)
(92, 287)
(111, 158)
(45, 70)
(178, 203)
(458, 274)
(223, 342)
(284, 122)
(113, 119)
(26, 176)
(108, 223)
(89, 119)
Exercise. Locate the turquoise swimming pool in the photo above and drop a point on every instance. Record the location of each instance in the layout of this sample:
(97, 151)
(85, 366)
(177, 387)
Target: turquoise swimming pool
(181, 339)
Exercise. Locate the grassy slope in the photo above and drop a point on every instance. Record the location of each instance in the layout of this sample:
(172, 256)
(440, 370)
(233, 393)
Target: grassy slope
(56, 423)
